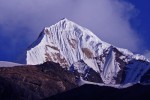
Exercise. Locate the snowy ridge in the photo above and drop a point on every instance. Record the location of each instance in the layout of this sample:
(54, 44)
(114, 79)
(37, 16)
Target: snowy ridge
(120, 86)
(114, 67)
(131, 55)
(77, 48)
(8, 64)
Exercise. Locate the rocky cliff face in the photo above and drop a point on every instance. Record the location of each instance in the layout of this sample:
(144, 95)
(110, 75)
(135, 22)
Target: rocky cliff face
(34, 82)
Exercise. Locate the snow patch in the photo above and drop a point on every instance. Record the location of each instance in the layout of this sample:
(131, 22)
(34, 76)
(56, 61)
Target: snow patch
(8, 64)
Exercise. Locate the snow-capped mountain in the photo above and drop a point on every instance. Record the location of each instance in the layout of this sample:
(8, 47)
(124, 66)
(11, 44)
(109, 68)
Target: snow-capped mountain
(65, 43)
(78, 49)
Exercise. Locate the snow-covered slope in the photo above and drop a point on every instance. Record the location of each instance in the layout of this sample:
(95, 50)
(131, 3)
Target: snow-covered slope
(114, 68)
(8, 64)
(77, 48)
(65, 43)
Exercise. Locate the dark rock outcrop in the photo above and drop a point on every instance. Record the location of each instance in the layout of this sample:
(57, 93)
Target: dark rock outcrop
(33, 82)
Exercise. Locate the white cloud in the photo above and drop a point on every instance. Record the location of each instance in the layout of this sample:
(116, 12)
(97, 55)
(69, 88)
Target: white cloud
(147, 54)
(108, 19)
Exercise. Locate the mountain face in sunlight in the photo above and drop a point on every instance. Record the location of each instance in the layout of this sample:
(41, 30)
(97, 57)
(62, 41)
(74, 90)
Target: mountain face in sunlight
(78, 49)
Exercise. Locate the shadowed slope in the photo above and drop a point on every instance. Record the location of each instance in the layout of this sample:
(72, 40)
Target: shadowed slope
(94, 92)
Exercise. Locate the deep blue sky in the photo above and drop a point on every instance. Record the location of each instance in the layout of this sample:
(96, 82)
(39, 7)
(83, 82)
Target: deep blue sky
(142, 22)
(21, 23)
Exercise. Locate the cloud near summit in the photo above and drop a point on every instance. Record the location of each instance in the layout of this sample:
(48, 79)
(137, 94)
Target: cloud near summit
(108, 19)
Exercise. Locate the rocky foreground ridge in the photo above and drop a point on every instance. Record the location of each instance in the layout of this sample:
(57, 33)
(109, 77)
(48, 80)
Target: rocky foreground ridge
(34, 82)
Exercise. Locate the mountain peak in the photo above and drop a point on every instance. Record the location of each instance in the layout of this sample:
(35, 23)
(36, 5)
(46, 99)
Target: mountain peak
(62, 24)
(69, 44)
(63, 37)
(64, 19)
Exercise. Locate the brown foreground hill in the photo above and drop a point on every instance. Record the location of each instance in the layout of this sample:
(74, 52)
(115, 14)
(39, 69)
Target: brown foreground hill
(33, 82)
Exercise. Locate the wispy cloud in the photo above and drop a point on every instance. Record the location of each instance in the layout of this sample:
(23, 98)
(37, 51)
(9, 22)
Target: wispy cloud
(108, 19)
(147, 54)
